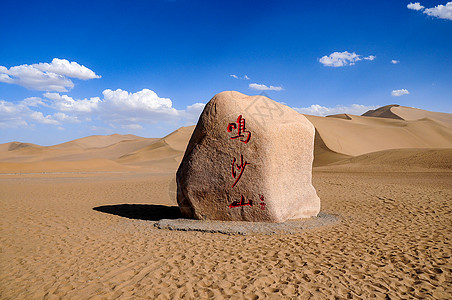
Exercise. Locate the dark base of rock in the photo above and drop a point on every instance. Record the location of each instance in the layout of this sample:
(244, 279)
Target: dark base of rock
(245, 228)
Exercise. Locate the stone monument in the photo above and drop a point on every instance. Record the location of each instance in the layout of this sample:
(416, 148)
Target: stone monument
(249, 159)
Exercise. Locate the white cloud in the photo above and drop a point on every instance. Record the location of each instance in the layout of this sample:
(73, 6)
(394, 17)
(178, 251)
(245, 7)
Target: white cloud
(34, 79)
(40, 118)
(398, 93)
(341, 59)
(66, 68)
(14, 115)
(394, 62)
(318, 110)
(52, 76)
(11, 115)
(263, 87)
(370, 57)
(132, 126)
(33, 101)
(245, 77)
(440, 11)
(144, 101)
(68, 104)
(116, 109)
(124, 108)
(415, 6)
(66, 118)
(193, 112)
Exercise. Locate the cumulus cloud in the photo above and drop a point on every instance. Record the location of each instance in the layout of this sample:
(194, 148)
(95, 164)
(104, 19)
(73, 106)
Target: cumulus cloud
(68, 69)
(52, 76)
(318, 110)
(143, 103)
(415, 6)
(341, 59)
(14, 115)
(440, 11)
(394, 62)
(11, 115)
(263, 87)
(117, 109)
(68, 104)
(234, 76)
(33, 101)
(40, 118)
(398, 93)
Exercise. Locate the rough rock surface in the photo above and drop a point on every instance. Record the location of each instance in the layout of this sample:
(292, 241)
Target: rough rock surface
(249, 159)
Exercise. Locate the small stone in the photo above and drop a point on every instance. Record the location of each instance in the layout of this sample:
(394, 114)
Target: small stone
(249, 159)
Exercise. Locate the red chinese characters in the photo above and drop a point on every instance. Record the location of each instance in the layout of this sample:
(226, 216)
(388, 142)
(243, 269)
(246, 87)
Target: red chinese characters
(240, 168)
(237, 169)
(262, 203)
(241, 203)
(240, 126)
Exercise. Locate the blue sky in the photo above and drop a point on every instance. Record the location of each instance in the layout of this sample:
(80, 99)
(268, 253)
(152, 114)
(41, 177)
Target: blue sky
(70, 69)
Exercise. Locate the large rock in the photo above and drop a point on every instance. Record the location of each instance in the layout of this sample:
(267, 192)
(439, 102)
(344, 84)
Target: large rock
(249, 159)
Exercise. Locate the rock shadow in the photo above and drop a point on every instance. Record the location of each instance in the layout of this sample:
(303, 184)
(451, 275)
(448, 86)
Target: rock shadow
(149, 212)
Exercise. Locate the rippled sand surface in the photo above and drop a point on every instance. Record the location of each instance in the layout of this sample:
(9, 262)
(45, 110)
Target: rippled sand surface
(393, 241)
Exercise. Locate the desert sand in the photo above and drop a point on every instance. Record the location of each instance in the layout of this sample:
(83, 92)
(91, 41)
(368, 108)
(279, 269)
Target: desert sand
(77, 219)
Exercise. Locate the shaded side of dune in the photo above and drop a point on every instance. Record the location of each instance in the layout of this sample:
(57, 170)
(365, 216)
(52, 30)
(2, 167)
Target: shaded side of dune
(383, 112)
(324, 155)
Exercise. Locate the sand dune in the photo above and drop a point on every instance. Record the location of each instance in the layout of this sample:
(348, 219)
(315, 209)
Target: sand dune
(324, 155)
(102, 152)
(383, 112)
(338, 137)
(78, 155)
(166, 152)
(360, 135)
(96, 141)
(408, 113)
(395, 160)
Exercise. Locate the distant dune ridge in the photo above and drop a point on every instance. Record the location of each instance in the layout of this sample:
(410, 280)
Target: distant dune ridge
(391, 135)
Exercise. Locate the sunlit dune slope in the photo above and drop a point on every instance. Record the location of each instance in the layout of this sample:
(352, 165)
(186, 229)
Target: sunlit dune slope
(407, 160)
(96, 141)
(408, 113)
(81, 155)
(165, 153)
(81, 149)
(360, 135)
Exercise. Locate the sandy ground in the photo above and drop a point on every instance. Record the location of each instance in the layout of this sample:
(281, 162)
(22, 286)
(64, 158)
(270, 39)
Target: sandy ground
(393, 240)
(77, 219)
